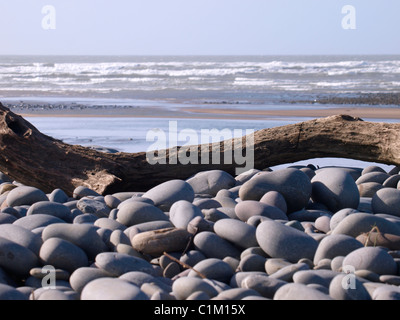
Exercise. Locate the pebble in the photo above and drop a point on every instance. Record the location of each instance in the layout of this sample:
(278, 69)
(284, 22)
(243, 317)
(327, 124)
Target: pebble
(249, 208)
(348, 287)
(21, 236)
(214, 269)
(37, 221)
(275, 199)
(98, 208)
(16, 258)
(339, 216)
(25, 196)
(51, 208)
(118, 264)
(147, 226)
(183, 288)
(10, 293)
(210, 182)
(335, 245)
(63, 254)
(264, 285)
(213, 246)
(280, 241)
(298, 291)
(392, 181)
(321, 277)
(157, 242)
(182, 212)
(58, 196)
(252, 262)
(82, 235)
(373, 259)
(369, 189)
(167, 193)
(293, 184)
(236, 232)
(133, 213)
(356, 224)
(112, 289)
(387, 200)
(81, 192)
(336, 189)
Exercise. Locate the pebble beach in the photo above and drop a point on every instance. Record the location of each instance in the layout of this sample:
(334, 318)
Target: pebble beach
(298, 233)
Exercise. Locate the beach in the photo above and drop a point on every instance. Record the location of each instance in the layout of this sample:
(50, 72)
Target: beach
(318, 229)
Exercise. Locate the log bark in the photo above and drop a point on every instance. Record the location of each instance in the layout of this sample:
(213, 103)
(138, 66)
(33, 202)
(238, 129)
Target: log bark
(35, 159)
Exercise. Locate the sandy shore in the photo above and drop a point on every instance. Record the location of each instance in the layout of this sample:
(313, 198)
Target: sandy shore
(218, 113)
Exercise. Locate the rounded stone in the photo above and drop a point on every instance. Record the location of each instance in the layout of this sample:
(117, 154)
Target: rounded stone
(264, 285)
(252, 262)
(377, 177)
(214, 269)
(213, 246)
(392, 181)
(111, 289)
(298, 291)
(159, 241)
(237, 232)
(275, 199)
(118, 264)
(167, 193)
(356, 224)
(293, 184)
(335, 189)
(249, 208)
(210, 182)
(369, 189)
(63, 254)
(58, 196)
(112, 202)
(370, 169)
(339, 216)
(340, 289)
(37, 221)
(8, 293)
(182, 212)
(98, 208)
(22, 236)
(16, 259)
(373, 259)
(147, 226)
(280, 241)
(82, 235)
(336, 245)
(6, 218)
(133, 213)
(192, 257)
(323, 224)
(82, 276)
(25, 196)
(107, 223)
(321, 277)
(51, 208)
(81, 192)
(387, 201)
(186, 286)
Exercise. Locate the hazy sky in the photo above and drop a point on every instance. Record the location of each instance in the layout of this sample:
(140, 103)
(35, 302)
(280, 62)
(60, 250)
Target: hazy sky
(198, 27)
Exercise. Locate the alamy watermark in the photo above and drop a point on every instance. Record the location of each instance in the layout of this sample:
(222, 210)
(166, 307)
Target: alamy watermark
(349, 21)
(238, 147)
(49, 21)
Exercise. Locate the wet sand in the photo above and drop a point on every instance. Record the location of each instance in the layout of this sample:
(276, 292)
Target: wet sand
(217, 113)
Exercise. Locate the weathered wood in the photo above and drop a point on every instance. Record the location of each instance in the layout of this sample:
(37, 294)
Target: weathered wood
(35, 159)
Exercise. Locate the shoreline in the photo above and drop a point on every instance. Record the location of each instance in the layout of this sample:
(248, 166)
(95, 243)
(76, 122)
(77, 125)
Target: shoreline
(216, 113)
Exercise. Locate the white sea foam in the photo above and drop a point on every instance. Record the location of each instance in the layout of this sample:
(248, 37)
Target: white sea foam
(245, 75)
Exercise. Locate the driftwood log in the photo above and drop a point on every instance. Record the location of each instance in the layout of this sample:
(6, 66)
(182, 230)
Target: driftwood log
(35, 159)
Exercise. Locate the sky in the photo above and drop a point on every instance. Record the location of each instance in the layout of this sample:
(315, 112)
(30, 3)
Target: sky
(199, 27)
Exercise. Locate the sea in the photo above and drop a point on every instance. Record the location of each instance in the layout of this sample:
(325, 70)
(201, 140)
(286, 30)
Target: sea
(256, 82)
